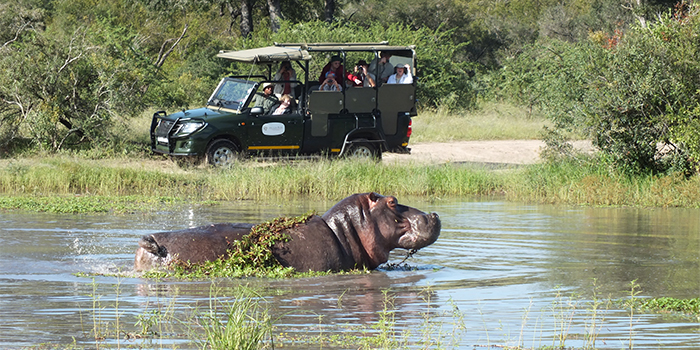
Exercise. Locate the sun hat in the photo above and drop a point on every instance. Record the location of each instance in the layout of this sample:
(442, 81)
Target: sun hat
(266, 85)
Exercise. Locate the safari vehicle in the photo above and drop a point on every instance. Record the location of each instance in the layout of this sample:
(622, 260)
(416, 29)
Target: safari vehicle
(358, 121)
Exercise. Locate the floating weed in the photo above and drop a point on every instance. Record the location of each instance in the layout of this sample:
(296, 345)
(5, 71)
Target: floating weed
(90, 204)
(686, 306)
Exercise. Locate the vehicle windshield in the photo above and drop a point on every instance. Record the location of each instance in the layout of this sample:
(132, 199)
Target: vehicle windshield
(231, 93)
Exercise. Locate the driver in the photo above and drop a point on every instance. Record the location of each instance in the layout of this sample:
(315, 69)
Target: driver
(266, 99)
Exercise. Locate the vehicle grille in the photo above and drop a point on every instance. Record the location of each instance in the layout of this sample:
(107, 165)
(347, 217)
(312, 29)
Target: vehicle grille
(163, 128)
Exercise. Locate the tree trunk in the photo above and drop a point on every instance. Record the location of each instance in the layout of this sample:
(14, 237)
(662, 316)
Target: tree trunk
(275, 14)
(330, 10)
(246, 19)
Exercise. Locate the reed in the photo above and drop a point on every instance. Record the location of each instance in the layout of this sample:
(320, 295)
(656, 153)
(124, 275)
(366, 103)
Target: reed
(241, 322)
(240, 318)
(590, 181)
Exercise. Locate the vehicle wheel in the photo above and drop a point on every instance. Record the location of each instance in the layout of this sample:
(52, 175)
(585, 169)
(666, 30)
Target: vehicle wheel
(363, 150)
(222, 153)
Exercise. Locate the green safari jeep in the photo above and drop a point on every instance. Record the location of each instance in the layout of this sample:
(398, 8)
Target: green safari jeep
(357, 121)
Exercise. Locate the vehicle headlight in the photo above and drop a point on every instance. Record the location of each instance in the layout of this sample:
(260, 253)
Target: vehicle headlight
(189, 127)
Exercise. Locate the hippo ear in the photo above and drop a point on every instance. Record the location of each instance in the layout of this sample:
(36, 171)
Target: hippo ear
(374, 198)
(149, 243)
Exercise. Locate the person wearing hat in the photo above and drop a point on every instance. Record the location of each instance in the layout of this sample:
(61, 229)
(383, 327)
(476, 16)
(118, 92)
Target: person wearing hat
(330, 83)
(402, 75)
(266, 99)
(286, 73)
(360, 77)
(335, 66)
(381, 67)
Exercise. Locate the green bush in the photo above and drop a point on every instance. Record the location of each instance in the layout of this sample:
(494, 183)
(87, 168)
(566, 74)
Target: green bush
(634, 94)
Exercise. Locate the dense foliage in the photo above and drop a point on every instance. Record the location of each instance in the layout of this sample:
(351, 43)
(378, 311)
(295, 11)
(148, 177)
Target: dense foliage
(622, 73)
(633, 92)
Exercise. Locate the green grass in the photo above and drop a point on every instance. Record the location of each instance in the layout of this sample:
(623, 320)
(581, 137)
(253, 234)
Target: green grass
(64, 184)
(241, 322)
(492, 121)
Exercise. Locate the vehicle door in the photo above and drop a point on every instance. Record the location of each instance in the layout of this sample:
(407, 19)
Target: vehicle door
(282, 134)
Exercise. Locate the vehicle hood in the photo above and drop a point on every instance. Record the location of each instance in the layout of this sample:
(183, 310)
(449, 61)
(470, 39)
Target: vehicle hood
(199, 113)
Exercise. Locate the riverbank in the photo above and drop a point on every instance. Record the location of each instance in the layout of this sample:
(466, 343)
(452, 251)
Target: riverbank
(76, 184)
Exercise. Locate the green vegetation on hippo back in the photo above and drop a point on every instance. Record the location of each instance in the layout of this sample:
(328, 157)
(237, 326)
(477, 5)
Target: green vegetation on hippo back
(358, 232)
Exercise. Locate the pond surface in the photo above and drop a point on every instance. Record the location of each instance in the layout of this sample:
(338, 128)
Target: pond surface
(501, 274)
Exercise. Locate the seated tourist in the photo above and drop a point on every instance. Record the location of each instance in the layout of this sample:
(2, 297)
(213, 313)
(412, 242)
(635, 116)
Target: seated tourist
(402, 75)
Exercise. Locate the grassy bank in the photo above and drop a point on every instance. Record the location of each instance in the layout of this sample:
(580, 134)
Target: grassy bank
(78, 185)
(135, 180)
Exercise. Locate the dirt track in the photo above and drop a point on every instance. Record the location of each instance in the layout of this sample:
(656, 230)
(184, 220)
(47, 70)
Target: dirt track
(488, 152)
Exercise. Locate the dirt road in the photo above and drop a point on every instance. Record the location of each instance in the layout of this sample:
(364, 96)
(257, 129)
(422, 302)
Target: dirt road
(488, 152)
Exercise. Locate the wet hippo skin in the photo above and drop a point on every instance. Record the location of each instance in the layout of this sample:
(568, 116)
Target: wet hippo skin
(358, 232)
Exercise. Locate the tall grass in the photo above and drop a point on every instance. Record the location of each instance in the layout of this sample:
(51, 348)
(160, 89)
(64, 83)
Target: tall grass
(72, 185)
(492, 121)
(241, 322)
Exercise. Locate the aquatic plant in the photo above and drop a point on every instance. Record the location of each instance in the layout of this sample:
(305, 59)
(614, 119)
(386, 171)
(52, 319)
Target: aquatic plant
(241, 322)
(249, 256)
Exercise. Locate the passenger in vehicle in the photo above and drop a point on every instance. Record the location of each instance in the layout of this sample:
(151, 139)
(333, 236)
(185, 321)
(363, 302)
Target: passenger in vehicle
(286, 105)
(360, 77)
(402, 75)
(285, 73)
(335, 66)
(266, 99)
(381, 67)
(330, 84)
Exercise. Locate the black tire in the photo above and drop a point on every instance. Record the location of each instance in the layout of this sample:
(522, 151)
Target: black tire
(223, 153)
(363, 150)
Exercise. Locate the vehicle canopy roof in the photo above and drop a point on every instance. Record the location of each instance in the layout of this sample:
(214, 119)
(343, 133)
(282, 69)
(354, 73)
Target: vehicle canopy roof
(270, 54)
(300, 51)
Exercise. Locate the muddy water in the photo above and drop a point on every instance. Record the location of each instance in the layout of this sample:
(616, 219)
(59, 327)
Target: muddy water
(500, 274)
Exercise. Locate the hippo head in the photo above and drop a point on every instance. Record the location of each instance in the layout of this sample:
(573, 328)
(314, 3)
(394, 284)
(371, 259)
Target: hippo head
(404, 226)
(381, 224)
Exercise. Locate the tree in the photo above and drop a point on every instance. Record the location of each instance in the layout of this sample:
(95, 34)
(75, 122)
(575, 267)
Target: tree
(275, 14)
(69, 89)
(330, 10)
(635, 94)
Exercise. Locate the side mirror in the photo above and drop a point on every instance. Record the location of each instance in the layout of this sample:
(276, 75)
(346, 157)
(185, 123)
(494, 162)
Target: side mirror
(256, 111)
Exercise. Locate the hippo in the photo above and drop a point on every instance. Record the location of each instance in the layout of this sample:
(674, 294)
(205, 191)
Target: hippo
(358, 232)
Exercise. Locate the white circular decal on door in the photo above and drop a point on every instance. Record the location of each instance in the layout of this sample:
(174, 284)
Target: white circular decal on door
(273, 129)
